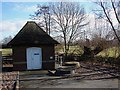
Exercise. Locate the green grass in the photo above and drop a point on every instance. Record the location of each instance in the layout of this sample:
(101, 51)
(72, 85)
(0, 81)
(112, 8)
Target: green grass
(110, 52)
(75, 50)
(6, 52)
(72, 49)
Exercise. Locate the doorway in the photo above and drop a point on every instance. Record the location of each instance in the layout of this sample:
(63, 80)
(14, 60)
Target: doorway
(34, 58)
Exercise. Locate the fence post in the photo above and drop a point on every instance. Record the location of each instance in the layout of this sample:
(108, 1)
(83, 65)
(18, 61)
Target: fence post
(16, 84)
(61, 60)
(1, 81)
(17, 80)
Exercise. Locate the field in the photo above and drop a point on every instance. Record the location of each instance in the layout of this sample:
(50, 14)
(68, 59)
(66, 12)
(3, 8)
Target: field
(72, 50)
(109, 52)
(6, 52)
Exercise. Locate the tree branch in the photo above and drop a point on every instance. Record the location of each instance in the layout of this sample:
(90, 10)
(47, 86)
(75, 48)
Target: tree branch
(110, 21)
(115, 12)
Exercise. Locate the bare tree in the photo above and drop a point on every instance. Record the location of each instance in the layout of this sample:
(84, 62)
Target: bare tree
(106, 9)
(6, 39)
(43, 15)
(70, 19)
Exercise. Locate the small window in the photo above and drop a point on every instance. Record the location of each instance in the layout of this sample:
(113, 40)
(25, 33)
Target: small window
(36, 53)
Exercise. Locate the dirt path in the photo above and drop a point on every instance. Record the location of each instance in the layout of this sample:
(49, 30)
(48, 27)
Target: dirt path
(88, 76)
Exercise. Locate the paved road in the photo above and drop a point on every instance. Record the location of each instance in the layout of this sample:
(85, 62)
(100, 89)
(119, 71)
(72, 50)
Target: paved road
(67, 83)
(91, 84)
(89, 76)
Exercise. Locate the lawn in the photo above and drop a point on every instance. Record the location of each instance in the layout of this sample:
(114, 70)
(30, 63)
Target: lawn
(75, 50)
(110, 52)
(72, 49)
(6, 52)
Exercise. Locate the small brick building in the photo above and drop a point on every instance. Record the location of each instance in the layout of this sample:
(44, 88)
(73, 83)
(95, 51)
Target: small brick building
(33, 48)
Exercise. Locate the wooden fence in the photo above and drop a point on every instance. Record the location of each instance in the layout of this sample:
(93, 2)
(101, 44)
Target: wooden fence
(7, 63)
(9, 81)
(7, 60)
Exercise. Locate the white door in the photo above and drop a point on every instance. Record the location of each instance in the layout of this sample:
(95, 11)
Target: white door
(34, 58)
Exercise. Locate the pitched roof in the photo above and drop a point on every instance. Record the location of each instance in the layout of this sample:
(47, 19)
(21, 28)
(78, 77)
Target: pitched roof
(32, 34)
